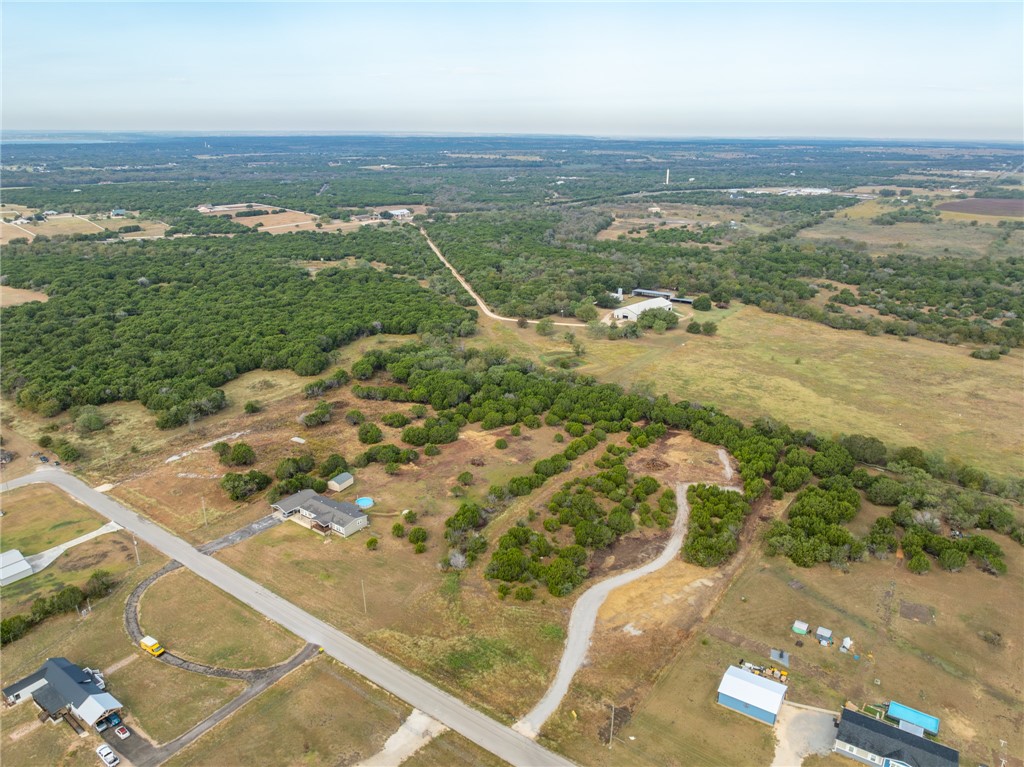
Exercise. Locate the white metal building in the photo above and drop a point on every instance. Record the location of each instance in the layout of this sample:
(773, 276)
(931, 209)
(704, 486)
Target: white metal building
(633, 311)
(752, 695)
(13, 567)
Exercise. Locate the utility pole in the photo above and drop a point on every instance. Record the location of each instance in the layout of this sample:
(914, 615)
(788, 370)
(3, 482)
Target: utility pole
(611, 729)
(362, 585)
(205, 523)
(135, 542)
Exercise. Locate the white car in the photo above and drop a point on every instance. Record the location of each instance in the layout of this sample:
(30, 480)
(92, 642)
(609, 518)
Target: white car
(122, 732)
(108, 756)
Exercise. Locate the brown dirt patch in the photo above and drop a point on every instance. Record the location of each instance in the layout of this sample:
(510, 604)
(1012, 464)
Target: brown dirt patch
(986, 206)
(917, 612)
(17, 296)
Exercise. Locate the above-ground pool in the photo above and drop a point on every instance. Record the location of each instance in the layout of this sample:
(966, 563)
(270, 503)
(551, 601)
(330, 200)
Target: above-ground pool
(364, 503)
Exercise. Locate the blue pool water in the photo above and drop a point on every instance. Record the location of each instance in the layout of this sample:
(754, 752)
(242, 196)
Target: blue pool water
(364, 503)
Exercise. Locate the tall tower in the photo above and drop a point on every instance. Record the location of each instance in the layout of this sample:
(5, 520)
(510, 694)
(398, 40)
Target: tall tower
(667, 171)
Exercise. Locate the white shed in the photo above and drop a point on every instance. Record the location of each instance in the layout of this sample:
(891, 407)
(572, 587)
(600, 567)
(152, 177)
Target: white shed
(751, 695)
(800, 627)
(340, 482)
(633, 311)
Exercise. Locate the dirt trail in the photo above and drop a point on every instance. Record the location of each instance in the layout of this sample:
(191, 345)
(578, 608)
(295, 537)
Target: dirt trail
(476, 297)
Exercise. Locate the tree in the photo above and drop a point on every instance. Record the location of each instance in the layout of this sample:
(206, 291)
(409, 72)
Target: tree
(709, 328)
(702, 303)
(99, 584)
(919, 564)
(242, 455)
(694, 327)
(370, 434)
(952, 559)
(372, 543)
(545, 327)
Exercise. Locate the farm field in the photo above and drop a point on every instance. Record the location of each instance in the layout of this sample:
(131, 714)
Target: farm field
(986, 207)
(199, 622)
(813, 377)
(943, 238)
(320, 714)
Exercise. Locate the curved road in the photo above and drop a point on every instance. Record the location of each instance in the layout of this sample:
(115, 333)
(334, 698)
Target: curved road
(584, 613)
(476, 296)
(467, 721)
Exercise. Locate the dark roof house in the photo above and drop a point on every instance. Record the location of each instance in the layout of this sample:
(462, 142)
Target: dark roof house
(59, 687)
(872, 741)
(324, 514)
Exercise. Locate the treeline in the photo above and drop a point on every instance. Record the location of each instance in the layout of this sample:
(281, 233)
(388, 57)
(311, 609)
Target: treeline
(168, 322)
(66, 600)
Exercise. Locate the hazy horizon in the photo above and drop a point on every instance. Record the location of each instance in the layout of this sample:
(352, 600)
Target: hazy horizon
(876, 71)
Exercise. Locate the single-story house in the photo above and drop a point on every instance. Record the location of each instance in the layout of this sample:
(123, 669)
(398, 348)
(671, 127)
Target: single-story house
(340, 482)
(752, 695)
(324, 515)
(118, 212)
(872, 741)
(13, 567)
(400, 213)
(61, 688)
(633, 311)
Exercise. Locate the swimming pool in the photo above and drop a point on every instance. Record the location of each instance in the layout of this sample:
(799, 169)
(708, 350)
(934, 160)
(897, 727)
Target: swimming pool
(364, 502)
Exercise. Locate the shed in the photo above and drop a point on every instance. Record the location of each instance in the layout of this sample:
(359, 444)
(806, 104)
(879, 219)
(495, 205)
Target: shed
(340, 482)
(823, 635)
(799, 627)
(901, 713)
(751, 695)
(847, 645)
(13, 567)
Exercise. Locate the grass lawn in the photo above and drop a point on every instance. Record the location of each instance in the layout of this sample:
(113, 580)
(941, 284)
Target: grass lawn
(320, 714)
(164, 701)
(831, 381)
(39, 517)
(198, 621)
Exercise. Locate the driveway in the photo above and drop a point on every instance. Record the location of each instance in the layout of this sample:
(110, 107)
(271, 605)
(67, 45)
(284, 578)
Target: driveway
(802, 732)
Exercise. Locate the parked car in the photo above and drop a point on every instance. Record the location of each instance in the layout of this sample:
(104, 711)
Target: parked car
(106, 753)
(43, 459)
(122, 732)
(107, 722)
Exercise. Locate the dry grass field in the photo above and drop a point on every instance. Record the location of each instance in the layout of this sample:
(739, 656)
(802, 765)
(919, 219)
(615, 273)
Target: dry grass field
(165, 702)
(39, 517)
(24, 740)
(452, 750)
(199, 622)
(810, 376)
(320, 714)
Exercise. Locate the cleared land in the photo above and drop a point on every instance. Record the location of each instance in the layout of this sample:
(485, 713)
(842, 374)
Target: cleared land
(810, 376)
(986, 206)
(449, 749)
(18, 296)
(38, 518)
(199, 622)
(320, 714)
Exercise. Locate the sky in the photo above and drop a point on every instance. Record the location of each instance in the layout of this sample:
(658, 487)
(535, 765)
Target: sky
(811, 69)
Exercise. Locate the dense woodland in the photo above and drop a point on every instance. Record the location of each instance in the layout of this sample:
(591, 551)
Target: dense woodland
(168, 322)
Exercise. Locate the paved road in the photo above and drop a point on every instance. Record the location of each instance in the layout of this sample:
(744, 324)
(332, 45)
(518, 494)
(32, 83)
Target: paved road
(479, 728)
(265, 523)
(476, 297)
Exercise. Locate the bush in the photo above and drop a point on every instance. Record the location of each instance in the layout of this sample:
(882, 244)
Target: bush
(418, 535)
(702, 303)
(252, 406)
(466, 478)
(919, 564)
(334, 465)
(241, 455)
(355, 417)
(501, 444)
(66, 451)
(398, 530)
(420, 548)
(241, 486)
(370, 434)
(431, 450)
(694, 327)
(99, 584)
(89, 420)
(372, 543)
(395, 420)
(524, 593)
(45, 441)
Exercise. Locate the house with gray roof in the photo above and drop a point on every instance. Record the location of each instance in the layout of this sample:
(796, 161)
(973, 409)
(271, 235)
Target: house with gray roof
(60, 688)
(872, 741)
(323, 515)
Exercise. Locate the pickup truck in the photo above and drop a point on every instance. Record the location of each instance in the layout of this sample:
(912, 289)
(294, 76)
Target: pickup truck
(150, 645)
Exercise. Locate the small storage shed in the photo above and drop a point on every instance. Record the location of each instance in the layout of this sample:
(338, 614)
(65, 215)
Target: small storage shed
(823, 635)
(799, 627)
(847, 645)
(751, 695)
(341, 481)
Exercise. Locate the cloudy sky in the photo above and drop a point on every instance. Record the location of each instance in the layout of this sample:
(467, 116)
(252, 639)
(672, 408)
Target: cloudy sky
(829, 69)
